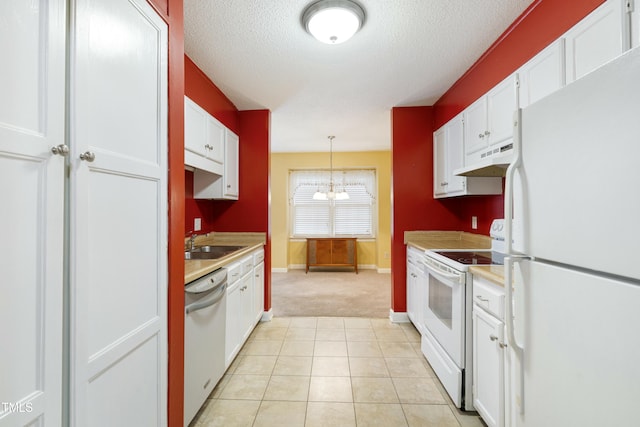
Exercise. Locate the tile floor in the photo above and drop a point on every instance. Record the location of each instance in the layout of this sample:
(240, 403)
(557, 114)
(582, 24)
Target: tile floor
(331, 371)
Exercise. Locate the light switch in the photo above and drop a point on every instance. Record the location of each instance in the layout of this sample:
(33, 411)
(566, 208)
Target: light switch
(474, 222)
(197, 224)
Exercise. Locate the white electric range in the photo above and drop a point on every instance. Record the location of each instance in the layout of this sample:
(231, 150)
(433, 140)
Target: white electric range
(447, 335)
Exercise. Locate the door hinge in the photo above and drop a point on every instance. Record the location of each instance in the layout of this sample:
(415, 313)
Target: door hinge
(517, 80)
(629, 4)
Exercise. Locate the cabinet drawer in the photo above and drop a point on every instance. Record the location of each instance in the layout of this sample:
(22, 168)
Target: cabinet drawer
(258, 257)
(234, 271)
(488, 296)
(247, 264)
(414, 256)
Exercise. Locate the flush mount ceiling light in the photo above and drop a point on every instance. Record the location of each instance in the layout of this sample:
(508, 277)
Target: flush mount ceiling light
(333, 21)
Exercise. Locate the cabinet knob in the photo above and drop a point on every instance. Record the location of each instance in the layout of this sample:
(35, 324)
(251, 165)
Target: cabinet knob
(228, 185)
(487, 133)
(88, 156)
(493, 337)
(60, 150)
(481, 135)
(503, 345)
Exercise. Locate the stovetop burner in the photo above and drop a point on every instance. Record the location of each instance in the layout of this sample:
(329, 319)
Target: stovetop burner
(474, 257)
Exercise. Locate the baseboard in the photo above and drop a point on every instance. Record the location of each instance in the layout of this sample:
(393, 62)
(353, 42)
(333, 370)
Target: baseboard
(399, 317)
(384, 270)
(279, 270)
(267, 315)
(297, 266)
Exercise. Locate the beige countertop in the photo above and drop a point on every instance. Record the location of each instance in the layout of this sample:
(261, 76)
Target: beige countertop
(494, 273)
(194, 269)
(446, 240)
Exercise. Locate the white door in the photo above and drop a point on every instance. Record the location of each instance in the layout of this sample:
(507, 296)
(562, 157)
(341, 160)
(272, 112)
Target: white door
(542, 75)
(488, 367)
(580, 348)
(597, 39)
(475, 126)
(32, 47)
(118, 229)
(502, 102)
(231, 176)
(455, 153)
(439, 162)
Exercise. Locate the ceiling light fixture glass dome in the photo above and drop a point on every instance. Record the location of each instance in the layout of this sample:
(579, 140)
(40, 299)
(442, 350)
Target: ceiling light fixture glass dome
(333, 21)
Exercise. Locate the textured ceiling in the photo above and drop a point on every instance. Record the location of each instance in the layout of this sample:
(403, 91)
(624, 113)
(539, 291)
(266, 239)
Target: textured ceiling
(408, 53)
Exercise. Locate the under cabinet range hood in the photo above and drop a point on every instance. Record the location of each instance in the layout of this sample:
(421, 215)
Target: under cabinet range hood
(493, 162)
(494, 166)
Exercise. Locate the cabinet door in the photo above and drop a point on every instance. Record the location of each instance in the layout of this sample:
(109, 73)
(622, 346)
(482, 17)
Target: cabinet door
(32, 84)
(118, 200)
(542, 75)
(598, 38)
(323, 251)
(412, 295)
(195, 128)
(231, 175)
(439, 163)
(502, 102)
(214, 139)
(488, 367)
(455, 154)
(340, 251)
(233, 328)
(247, 307)
(258, 291)
(475, 128)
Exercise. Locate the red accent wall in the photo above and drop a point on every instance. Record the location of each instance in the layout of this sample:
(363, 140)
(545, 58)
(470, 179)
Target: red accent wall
(542, 23)
(251, 212)
(413, 206)
(200, 89)
(172, 12)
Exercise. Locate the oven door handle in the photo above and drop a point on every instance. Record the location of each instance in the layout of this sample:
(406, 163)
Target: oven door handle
(457, 278)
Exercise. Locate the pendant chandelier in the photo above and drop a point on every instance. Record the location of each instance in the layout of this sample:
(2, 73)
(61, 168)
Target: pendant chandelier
(331, 194)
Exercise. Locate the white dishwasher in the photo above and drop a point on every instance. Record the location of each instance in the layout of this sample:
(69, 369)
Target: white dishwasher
(204, 338)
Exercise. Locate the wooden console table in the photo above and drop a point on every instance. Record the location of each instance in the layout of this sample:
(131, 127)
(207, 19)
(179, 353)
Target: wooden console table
(332, 252)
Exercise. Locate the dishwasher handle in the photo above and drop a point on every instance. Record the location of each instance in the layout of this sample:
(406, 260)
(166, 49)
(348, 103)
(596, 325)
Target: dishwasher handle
(210, 282)
(210, 300)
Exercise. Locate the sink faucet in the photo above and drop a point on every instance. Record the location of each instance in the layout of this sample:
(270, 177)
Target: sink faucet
(191, 244)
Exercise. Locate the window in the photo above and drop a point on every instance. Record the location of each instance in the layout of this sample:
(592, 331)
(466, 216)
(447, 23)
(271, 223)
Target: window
(332, 218)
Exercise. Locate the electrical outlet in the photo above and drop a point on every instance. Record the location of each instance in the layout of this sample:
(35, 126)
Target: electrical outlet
(474, 222)
(197, 224)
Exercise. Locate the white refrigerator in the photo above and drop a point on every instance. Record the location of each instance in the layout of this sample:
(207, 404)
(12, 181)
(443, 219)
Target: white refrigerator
(572, 209)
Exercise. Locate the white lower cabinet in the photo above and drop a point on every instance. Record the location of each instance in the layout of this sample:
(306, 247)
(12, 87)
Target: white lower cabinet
(245, 296)
(415, 288)
(489, 352)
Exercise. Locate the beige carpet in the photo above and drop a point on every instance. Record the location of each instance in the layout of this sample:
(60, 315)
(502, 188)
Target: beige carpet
(331, 293)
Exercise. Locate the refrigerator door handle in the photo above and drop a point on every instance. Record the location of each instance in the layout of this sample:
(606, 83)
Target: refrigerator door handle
(518, 349)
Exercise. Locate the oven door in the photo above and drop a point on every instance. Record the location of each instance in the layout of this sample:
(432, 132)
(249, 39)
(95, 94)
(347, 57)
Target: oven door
(444, 311)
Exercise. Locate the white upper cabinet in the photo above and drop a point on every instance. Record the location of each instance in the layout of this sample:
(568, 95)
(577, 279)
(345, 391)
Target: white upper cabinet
(230, 183)
(203, 139)
(542, 75)
(448, 156)
(601, 36)
(488, 121)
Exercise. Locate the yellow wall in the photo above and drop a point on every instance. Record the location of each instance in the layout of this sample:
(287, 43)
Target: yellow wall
(284, 252)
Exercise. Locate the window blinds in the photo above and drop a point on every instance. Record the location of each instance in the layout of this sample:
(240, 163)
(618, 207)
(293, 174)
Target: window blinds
(332, 218)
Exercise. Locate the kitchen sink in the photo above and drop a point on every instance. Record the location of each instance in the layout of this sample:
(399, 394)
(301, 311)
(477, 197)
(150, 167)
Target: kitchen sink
(211, 252)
